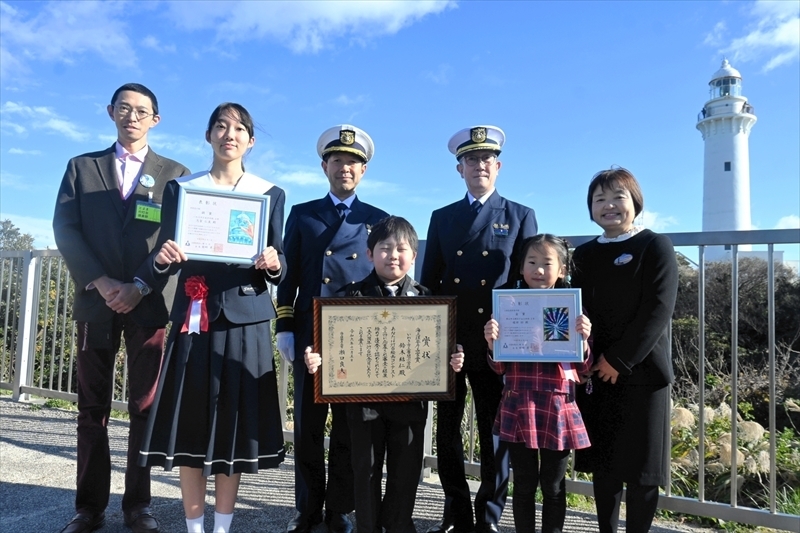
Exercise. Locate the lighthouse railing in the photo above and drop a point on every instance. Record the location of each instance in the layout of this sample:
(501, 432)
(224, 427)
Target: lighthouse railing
(38, 355)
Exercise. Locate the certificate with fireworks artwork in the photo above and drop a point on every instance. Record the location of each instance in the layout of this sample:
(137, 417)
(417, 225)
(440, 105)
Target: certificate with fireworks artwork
(221, 226)
(537, 325)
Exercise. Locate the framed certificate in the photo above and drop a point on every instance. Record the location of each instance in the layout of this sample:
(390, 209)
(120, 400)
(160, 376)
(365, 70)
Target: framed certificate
(537, 325)
(384, 349)
(221, 226)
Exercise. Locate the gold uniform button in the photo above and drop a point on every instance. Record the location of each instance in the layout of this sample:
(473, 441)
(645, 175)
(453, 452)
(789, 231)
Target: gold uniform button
(326, 280)
(354, 256)
(457, 280)
(483, 282)
(480, 310)
(485, 253)
(459, 252)
(328, 252)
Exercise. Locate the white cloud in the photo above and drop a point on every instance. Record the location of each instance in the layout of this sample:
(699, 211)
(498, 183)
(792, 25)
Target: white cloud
(773, 37)
(40, 228)
(656, 221)
(42, 118)
(13, 181)
(20, 151)
(153, 43)
(13, 126)
(64, 31)
(716, 36)
(303, 178)
(176, 144)
(788, 222)
(345, 100)
(441, 76)
(303, 26)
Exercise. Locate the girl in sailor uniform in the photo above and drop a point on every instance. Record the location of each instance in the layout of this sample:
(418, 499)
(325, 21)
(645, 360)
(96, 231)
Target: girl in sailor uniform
(216, 407)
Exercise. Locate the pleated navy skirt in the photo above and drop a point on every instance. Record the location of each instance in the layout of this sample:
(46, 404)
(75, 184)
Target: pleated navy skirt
(216, 406)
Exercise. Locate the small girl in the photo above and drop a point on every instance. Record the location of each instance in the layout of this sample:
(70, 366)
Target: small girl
(538, 418)
(216, 407)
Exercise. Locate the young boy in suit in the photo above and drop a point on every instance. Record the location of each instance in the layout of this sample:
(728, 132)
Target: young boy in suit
(380, 427)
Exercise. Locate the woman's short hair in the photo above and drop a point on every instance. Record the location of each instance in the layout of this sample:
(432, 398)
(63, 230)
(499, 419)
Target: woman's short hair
(614, 178)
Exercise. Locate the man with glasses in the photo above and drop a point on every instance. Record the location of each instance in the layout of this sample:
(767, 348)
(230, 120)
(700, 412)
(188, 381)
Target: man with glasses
(325, 246)
(106, 221)
(471, 247)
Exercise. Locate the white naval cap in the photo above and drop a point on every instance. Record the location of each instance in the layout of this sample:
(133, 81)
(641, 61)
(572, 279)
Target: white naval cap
(346, 138)
(477, 138)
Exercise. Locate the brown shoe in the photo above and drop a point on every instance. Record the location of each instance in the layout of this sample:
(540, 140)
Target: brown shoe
(142, 521)
(85, 522)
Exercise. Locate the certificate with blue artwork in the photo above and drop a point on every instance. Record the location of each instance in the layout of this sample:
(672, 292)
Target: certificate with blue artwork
(537, 325)
(221, 226)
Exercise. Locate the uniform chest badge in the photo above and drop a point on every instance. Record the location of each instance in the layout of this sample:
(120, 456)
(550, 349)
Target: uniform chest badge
(500, 230)
(369, 228)
(147, 180)
(623, 259)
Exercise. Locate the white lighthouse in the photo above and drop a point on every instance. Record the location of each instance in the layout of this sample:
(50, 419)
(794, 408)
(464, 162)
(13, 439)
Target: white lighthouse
(725, 123)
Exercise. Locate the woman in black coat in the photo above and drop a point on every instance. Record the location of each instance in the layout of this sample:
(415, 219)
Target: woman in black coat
(629, 281)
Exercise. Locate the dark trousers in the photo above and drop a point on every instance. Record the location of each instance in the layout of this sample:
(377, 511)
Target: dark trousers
(309, 448)
(98, 344)
(531, 469)
(487, 389)
(402, 443)
(641, 502)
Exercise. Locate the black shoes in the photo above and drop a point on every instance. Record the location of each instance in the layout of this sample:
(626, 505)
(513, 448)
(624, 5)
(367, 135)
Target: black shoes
(85, 523)
(142, 521)
(302, 523)
(338, 522)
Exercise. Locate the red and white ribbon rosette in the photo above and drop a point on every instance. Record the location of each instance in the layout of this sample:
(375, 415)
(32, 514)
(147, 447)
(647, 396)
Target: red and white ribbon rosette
(196, 315)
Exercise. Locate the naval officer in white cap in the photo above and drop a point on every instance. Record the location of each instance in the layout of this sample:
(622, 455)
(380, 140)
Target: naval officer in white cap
(471, 247)
(325, 248)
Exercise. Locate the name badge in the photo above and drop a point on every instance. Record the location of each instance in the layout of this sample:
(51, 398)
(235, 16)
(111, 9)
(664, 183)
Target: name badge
(148, 211)
(500, 230)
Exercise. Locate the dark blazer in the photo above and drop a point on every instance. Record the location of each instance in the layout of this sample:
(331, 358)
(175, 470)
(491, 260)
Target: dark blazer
(468, 256)
(403, 412)
(240, 292)
(97, 236)
(324, 255)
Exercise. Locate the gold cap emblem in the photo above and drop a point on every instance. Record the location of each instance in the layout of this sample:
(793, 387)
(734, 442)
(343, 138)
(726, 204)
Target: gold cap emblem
(478, 134)
(347, 137)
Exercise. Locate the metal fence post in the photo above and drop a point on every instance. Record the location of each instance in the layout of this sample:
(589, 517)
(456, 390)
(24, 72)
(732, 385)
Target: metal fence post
(23, 365)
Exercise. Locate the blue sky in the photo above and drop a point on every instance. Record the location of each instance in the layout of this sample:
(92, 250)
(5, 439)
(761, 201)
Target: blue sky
(577, 87)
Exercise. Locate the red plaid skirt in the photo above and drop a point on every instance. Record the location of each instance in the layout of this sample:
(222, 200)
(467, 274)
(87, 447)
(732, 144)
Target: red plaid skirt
(549, 420)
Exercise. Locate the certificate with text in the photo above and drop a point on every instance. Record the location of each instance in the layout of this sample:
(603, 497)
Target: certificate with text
(537, 325)
(221, 226)
(384, 349)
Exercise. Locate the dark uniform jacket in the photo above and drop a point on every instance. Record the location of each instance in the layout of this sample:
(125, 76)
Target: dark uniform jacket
(372, 286)
(468, 256)
(97, 235)
(324, 256)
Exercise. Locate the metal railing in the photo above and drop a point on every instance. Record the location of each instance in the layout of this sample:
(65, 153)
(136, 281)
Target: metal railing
(37, 357)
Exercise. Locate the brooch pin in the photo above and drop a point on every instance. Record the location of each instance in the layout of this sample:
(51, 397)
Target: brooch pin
(147, 180)
(623, 259)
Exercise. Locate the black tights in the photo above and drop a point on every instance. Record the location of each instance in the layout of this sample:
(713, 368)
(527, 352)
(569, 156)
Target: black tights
(641, 502)
(528, 473)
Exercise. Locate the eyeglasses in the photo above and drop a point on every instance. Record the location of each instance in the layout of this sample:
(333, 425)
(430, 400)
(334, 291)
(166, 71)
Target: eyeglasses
(473, 160)
(123, 110)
